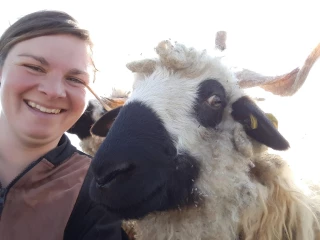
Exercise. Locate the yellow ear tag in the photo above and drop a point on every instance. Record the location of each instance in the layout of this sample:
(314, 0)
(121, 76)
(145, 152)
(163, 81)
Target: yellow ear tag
(273, 119)
(253, 122)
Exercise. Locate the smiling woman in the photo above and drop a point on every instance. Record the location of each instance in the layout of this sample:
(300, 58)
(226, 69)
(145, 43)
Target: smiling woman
(45, 66)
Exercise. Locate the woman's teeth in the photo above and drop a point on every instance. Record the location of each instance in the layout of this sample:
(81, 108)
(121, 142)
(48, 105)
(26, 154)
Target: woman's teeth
(43, 109)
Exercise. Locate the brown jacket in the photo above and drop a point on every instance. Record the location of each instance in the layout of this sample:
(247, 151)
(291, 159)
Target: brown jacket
(50, 201)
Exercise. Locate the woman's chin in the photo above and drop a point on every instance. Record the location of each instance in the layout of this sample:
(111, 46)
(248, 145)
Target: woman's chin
(38, 135)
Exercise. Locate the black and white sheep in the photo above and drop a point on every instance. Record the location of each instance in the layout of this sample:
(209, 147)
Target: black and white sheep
(187, 157)
(90, 143)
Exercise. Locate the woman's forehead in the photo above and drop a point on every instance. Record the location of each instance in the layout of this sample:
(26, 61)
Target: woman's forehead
(56, 50)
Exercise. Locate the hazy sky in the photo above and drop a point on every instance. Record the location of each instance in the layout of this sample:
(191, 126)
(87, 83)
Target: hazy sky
(269, 36)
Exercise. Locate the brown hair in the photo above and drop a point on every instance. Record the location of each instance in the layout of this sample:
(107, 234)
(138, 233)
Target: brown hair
(41, 23)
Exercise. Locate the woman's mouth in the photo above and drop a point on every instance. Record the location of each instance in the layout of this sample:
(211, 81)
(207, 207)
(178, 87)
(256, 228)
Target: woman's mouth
(42, 108)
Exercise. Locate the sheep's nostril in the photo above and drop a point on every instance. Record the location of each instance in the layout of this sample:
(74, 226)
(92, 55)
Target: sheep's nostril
(121, 171)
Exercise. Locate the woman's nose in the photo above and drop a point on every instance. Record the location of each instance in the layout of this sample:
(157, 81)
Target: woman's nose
(53, 87)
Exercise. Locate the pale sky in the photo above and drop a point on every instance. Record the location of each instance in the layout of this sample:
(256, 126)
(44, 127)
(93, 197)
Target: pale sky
(270, 37)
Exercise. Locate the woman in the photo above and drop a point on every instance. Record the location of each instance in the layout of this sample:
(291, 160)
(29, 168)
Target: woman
(45, 65)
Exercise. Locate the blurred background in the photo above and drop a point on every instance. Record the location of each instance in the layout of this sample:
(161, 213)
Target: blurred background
(269, 37)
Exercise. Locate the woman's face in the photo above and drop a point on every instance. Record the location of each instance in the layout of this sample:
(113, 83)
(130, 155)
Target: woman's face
(43, 86)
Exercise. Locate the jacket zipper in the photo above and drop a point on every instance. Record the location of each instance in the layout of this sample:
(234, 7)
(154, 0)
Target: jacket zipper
(4, 191)
(2, 195)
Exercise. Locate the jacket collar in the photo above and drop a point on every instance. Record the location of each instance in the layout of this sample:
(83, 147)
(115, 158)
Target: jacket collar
(63, 151)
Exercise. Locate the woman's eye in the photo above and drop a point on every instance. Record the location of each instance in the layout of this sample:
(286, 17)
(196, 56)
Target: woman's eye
(35, 68)
(75, 80)
(214, 101)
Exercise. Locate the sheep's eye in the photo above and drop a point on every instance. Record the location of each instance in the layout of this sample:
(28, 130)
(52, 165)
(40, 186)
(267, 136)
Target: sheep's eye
(214, 101)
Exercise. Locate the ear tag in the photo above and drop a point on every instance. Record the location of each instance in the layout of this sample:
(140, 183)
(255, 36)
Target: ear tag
(253, 122)
(273, 119)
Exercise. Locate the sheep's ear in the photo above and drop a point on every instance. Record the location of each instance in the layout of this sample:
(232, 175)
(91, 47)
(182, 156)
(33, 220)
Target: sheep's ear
(258, 125)
(142, 66)
(102, 126)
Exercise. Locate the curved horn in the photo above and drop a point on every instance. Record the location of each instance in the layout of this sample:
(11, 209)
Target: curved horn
(248, 78)
(105, 106)
(113, 102)
(284, 85)
(304, 71)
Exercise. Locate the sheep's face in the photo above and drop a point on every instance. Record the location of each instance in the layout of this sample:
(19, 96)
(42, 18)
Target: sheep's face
(179, 115)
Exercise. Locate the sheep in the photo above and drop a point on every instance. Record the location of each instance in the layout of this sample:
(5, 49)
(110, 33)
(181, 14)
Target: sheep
(90, 143)
(187, 157)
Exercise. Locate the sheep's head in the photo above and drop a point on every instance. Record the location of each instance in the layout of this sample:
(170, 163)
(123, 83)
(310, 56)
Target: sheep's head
(186, 117)
(95, 110)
